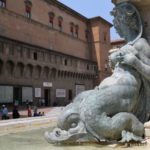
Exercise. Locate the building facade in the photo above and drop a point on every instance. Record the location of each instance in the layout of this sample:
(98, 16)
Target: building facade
(49, 52)
(116, 44)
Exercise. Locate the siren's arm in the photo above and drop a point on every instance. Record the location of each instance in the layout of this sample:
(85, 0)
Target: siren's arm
(116, 56)
(143, 69)
(143, 49)
(133, 61)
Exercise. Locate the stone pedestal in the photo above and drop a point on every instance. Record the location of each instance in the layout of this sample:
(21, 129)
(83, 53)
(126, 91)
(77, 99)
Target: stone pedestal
(147, 129)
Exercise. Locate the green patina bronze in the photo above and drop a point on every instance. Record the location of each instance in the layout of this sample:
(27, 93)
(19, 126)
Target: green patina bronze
(117, 108)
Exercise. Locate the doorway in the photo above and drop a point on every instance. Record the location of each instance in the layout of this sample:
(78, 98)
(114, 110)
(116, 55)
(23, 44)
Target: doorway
(70, 95)
(17, 95)
(47, 97)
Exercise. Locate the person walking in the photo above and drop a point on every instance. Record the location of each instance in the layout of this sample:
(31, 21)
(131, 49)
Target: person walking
(29, 111)
(15, 114)
(4, 112)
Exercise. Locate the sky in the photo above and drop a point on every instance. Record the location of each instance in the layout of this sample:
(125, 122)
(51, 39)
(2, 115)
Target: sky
(92, 8)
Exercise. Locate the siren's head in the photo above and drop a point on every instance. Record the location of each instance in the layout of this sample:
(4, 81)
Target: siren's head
(127, 21)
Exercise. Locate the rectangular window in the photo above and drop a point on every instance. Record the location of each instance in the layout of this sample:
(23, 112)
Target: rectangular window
(70, 95)
(28, 53)
(28, 6)
(11, 50)
(19, 51)
(65, 62)
(87, 67)
(6, 94)
(1, 47)
(42, 56)
(35, 56)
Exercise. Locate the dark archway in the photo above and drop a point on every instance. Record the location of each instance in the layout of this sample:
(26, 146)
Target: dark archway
(19, 69)
(10, 67)
(29, 71)
(46, 71)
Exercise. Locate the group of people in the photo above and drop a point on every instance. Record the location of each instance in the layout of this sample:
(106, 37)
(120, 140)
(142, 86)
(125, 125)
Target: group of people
(35, 112)
(31, 112)
(4, 112)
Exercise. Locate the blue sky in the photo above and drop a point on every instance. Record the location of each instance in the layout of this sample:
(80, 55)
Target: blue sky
(92, 8)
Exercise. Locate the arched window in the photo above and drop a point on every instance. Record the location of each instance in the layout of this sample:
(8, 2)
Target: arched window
(10, 67)
(51, 18)
(3, 3)
(35, 55)
(28, 6)
(60, 20)
(76, 30)
(72, 28)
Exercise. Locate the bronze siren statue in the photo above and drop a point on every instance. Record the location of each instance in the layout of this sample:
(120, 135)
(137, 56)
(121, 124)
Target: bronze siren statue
(117, 108)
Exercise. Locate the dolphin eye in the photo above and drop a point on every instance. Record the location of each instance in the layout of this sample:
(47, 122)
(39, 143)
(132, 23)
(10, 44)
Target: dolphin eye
(57, 133)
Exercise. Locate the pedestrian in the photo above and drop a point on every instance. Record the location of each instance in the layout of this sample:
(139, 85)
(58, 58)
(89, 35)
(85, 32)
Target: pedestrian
(43, 114)
(29, 111)
(35, 111)
(39, 114)
(15, 114)
(4, 112)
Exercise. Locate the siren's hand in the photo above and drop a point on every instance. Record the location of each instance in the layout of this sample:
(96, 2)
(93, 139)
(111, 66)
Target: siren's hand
(115, 57)
(129, 59)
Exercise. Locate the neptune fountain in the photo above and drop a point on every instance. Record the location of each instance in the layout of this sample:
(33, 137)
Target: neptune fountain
(117, 108)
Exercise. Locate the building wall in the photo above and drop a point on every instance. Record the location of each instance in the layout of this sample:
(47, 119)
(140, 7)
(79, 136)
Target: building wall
(117, 43)
(41, 60)
(20, 68)
(46, 37)
(101, 46)
(40, 10)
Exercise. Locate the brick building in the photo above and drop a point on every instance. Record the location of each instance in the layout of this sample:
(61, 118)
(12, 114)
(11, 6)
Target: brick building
(49, 51)
(115, 44)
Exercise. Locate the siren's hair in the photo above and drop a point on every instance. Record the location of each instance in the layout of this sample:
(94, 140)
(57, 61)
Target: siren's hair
(127, 14)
